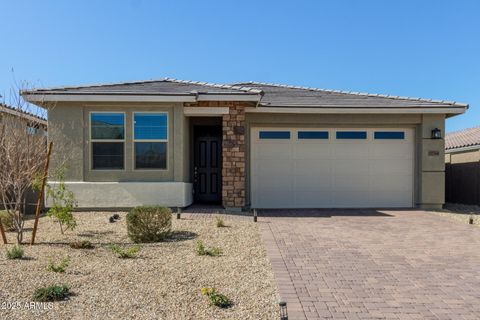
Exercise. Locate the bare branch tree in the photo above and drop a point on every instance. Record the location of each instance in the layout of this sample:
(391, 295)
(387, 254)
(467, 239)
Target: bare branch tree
(22, 156)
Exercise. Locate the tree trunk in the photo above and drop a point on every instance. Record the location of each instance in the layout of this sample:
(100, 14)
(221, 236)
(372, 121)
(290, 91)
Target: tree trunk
(2, 231)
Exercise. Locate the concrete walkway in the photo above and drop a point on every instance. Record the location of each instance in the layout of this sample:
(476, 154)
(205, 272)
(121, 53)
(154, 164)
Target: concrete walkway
(361, 264)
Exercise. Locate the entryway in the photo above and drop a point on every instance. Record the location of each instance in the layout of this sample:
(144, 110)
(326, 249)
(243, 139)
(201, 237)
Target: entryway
(207, 163)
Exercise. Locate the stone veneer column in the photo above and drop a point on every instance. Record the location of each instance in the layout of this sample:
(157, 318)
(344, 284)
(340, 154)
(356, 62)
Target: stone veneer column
(233, 171)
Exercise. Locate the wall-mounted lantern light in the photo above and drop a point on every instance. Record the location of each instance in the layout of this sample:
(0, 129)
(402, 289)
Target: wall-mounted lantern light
(436, 133)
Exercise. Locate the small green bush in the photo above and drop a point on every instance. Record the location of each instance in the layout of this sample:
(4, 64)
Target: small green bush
(202, 251)
(216, 299)
(7, 221)
(61, 267)
(85, 244)
(15, 253)
(52, 293)
(125, 253)
(220, 223)
(149, 224)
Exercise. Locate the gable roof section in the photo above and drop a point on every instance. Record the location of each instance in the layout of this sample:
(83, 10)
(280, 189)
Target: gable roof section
(266, 95)
(279, 95)
(465, 138)
(163, 86)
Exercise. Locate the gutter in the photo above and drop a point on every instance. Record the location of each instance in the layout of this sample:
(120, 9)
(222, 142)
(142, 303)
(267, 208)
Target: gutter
(462, 149)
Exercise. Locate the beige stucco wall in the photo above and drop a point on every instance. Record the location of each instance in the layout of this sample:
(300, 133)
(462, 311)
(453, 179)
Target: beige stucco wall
(463, 156)
(431, 167)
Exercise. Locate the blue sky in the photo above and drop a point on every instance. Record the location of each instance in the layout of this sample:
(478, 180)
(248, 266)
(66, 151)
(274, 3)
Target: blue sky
(416, 48)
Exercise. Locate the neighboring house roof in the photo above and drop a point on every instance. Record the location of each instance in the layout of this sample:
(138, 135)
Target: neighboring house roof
(264, 94)
(465, 138)
(23, 114)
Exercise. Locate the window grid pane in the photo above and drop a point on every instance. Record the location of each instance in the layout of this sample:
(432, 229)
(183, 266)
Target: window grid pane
(150, 155)
(107, 155)
(107, 126)
(150, 126)
(351, 135)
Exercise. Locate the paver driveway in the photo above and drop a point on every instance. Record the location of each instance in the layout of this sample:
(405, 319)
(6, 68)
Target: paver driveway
(374, 264)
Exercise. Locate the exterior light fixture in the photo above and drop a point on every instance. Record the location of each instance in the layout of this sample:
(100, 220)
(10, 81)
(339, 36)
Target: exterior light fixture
(436, 133)
(283, 310)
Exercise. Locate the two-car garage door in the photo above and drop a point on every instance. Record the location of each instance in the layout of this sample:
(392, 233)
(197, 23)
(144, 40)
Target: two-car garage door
(332, 167)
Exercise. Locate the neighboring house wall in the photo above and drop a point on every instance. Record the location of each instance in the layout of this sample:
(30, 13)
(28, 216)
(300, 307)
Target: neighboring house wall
(463, 177)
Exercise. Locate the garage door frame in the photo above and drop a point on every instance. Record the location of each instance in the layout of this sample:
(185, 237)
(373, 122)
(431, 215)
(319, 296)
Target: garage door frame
(254, 129)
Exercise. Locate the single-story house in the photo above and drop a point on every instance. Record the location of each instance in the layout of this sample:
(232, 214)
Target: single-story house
(247, 145)
(462, 166)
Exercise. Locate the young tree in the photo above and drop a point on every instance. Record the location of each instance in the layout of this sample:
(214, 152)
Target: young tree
(22, 156)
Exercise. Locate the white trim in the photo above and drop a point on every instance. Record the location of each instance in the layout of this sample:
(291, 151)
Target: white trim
(205, 111)
(229, 97)
(108, 98)
(91, 141)
(135, 97)
(462, 149)
(149, 140)
(352, 110)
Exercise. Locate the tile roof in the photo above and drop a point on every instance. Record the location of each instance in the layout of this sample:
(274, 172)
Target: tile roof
(463, 138)
(22, 113)
(270, 95)
(287, 95)
(164, 86)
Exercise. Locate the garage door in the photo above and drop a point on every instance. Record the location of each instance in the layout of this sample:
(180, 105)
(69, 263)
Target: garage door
(332, 167)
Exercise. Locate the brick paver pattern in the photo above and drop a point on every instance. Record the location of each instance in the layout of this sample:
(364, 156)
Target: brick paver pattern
(359, 265)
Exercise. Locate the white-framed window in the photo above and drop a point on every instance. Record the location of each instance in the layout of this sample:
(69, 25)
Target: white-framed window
(107, 136)
(150, 140)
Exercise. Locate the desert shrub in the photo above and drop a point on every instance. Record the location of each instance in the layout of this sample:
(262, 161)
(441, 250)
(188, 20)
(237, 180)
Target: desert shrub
(61, 267)
(15, 253)
(85, 244)
(7, 220)
(216, 299)
(149, 224)
(220, 223)
(63, 202)
(52, 293)
(124, 253)
(202, 251)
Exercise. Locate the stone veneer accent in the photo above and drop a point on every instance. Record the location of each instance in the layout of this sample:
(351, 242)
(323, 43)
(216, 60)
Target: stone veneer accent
(233, 152)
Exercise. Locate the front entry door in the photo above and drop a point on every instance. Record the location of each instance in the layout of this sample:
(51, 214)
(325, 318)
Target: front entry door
(207, 164)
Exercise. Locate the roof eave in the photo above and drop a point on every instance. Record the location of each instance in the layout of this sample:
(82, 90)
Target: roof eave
(50, 96)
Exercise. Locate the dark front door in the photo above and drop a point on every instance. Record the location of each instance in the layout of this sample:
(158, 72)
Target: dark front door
(207, 164)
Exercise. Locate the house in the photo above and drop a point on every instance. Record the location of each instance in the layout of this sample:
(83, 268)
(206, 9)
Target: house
(33, 124)
(247, 145)
(462, 166)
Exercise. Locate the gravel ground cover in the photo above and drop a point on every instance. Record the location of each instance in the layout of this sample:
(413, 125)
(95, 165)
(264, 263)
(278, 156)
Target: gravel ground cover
(163, 282)
(461, 213)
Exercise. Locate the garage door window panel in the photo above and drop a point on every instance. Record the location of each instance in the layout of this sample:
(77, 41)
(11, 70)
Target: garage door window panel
(314, 135)
(351, 135)
(274, 135)
(389, 135)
